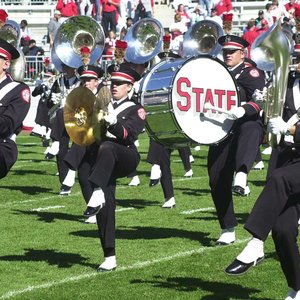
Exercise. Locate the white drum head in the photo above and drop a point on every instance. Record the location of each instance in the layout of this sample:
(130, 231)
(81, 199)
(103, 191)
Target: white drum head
(204, 80)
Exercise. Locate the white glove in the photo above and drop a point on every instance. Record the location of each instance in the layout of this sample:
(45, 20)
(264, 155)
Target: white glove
(110, 119)
(260, 96)
(56, 98)
(278, 126)
(236, 113)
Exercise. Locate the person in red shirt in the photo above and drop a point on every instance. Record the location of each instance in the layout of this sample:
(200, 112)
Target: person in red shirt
(109, 10)
(3, 17)
(68, 8)
(184, 16)
(250, 35)
(223, 7)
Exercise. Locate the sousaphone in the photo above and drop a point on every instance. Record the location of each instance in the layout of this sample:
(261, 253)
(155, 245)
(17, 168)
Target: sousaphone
(10, 32)
(73, 34)
(202, 39)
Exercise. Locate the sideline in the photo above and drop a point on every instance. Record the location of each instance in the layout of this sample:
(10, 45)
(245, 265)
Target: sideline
(137, 265)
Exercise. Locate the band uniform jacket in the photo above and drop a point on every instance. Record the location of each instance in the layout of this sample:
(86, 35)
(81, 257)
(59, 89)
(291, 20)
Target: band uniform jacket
(248, 80)
(131, 121)
(14, 106)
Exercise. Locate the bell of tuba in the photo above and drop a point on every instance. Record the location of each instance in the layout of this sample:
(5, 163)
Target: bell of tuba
(271, 52)
(73, 34)
(11, 33)
(144, 41)
(202, 38)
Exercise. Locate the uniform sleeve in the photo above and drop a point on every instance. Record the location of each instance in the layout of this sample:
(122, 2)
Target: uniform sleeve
(14, 111)
(253, 79)
(127, 132)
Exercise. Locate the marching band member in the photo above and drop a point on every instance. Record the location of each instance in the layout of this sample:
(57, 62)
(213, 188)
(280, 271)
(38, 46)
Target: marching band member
(236, 153)
(89, 76)
(15, 103)
(60, 145)
(116, 157)
(277, 208)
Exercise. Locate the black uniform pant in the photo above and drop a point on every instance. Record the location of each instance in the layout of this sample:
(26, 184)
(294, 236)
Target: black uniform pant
(236, 153)
(74, 156)
(42, 117)
(8, 156)
(100, 167)
(278, 209)
(60, 134)
(184, 154)
(160, 155)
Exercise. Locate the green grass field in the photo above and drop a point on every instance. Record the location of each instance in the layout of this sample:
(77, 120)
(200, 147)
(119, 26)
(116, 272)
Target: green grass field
(47, 252)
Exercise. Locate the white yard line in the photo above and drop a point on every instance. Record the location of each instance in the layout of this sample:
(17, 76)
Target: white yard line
(47, 208)
(17, 203)
(190, 212)
(137, 265)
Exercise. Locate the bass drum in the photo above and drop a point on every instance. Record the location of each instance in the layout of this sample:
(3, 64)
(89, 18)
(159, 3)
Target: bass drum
(173, 94)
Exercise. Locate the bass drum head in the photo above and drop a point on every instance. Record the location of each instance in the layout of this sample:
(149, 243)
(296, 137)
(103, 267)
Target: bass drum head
(203, 80)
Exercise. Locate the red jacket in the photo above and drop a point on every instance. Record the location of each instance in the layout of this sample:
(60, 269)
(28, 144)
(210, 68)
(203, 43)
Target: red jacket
(223, 6)
(67, 10)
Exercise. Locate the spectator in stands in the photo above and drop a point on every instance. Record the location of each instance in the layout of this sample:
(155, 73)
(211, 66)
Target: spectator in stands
(223, 7)
(124, 30)
(250, 35)
(261, 16)
(86, 8)
(290, 8)
(214, 17)
(177, 29)
(68, 8)
(143, 9)
(110, 45)
(25, 32)
(3, 17)
(109, 9)
(184, 15)
(278, 12)
(53, 26)
(268, 15)
(287, 26)
(198, 14)
(206, 4)
(34, 58)
(264, 27)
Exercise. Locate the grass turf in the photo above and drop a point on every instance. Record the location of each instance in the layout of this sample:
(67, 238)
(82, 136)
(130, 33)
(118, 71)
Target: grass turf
(47, 252)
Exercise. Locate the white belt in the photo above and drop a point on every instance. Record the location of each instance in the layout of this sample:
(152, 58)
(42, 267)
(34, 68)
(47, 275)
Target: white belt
(13, 137)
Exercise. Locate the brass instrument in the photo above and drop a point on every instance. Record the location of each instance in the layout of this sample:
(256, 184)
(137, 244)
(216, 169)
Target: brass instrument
(144, 41)
(11, 33)
(202, 38)
(271, 52)
(73, 34)
(83, 115)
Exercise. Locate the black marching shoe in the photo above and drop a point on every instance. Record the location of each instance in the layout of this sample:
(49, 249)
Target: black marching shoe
(92, 211)
(239, 268)
(238, 190)
(153, 182)
(49, 156)
(65, 190)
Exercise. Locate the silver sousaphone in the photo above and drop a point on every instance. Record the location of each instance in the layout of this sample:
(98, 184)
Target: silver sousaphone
(10, 32)
(72, 35)
(144, 39)
(202, 39)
